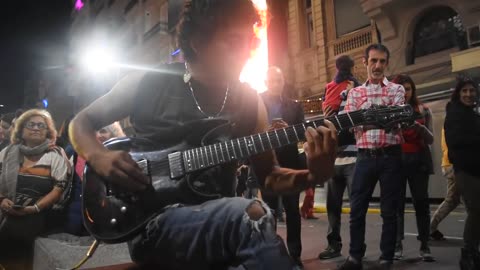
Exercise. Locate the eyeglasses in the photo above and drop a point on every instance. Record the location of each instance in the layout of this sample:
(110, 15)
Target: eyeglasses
(32, 125)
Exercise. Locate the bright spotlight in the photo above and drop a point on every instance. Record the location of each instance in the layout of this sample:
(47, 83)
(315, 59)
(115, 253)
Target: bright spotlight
(98, 59)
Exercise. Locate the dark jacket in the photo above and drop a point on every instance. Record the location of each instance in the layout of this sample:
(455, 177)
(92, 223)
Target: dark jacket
(292, 113)
(462, 134)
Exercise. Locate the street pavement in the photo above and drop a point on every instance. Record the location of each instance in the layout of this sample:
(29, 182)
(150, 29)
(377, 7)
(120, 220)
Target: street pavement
(446, 253)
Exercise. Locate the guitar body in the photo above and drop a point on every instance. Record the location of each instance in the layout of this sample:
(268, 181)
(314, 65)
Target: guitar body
(112, 214)
(191, 170)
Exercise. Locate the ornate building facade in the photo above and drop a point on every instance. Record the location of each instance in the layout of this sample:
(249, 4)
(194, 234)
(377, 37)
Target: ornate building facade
(423, 37)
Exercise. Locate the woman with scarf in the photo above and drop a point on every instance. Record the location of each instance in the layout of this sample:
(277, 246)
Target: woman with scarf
(462, 134)
(33, 181)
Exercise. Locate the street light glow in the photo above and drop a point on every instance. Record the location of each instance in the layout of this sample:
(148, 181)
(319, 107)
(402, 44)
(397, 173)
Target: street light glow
(98, 59)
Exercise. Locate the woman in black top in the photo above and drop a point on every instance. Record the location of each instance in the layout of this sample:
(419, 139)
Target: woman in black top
(462, 134)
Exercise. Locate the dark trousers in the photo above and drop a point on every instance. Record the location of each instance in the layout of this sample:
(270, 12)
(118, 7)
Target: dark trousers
(416, 175)
(218, 234)
(293, 220)
(369, 169)
(341, 180)
(469, 187)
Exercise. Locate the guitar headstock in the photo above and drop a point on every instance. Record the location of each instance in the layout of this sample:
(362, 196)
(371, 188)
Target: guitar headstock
(387, 117)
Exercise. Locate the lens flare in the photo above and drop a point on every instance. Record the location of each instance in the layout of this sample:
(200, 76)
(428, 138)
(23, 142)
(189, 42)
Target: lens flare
(255, 70)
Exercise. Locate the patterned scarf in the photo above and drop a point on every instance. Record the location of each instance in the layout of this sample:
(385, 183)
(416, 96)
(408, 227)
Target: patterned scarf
(14, 155)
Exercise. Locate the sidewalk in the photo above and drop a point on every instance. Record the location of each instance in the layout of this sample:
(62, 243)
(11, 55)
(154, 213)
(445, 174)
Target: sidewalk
(320, 205)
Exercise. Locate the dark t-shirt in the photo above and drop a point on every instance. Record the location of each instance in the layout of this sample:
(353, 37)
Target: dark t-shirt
(165, 113)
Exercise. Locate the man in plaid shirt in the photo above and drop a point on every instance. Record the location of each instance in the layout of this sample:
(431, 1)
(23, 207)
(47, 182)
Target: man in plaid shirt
(379, 158)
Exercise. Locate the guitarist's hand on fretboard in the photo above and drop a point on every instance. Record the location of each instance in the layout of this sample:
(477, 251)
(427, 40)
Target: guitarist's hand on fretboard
(119, 168)
(321, 151)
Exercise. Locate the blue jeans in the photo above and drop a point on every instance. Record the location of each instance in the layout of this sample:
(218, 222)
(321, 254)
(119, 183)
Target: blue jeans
(415, 173)
(341, 180)
(218, 234)
(369, 169)
(290, 203)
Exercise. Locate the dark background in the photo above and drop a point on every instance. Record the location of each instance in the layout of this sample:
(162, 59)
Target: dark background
(28, 30)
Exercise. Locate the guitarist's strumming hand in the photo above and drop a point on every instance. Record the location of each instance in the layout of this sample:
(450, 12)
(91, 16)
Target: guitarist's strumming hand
(321, 151)
(119, 168)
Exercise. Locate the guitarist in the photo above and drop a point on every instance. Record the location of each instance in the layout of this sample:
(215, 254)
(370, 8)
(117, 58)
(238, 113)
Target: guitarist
(235, 233)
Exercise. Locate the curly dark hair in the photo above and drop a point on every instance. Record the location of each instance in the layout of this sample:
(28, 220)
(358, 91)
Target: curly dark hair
(202, 18)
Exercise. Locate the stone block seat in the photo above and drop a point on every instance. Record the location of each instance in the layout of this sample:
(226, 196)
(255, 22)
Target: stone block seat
(63, 251)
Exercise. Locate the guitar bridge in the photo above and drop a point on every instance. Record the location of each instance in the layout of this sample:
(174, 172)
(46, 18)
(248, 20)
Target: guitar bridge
(175, 163)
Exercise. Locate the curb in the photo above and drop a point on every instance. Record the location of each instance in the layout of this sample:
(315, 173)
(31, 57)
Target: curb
(346, 210)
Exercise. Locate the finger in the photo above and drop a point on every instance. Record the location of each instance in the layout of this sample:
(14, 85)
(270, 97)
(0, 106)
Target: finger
(133, 172)
(305, 149)
(315, 145)
(333, 130)
(133, 169)
(310, 138)
(322, 133)
(329, 136)
(123, 180)
(8, 203)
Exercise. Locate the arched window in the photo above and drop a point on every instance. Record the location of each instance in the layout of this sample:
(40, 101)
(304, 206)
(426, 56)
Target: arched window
(439, 29)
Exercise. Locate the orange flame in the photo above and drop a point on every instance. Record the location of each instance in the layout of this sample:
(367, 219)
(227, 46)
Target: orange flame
(255, 70)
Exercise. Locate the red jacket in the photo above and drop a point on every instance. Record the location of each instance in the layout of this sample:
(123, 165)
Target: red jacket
(332, 94)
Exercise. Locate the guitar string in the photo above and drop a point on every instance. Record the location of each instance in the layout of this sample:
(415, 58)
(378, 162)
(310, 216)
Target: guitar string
(161, 164)
(354, 115)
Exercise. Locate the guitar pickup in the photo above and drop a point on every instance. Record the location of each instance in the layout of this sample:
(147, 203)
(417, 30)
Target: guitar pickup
(175, 163)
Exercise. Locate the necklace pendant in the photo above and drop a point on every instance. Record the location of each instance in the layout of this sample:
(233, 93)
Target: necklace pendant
(186, 77)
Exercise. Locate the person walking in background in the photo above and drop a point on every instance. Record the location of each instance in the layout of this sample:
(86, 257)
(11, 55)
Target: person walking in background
(462, 134)
(417, 166)
(335, 100)
(453, 198)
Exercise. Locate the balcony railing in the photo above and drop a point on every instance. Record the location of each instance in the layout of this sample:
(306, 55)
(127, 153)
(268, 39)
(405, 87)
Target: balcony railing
(352, 41)
(311, 106)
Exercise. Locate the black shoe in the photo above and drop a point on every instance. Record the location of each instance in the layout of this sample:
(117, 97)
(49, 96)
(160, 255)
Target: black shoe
(384, 265)
(298, 263)
(349, 264)
(398, 255)
(426, 254)
(437, 236)
(330, 253)
(467, 260)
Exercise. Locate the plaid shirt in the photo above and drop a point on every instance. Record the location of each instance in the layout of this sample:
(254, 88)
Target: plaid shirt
(363, 97)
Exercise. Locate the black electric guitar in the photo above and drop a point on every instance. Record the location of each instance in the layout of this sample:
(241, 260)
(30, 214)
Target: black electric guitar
(177, 172)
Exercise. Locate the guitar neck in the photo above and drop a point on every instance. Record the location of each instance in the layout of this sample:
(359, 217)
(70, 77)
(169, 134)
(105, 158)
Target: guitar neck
(244, 147)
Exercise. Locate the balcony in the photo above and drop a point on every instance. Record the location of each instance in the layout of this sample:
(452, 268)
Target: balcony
(466, 61)
(352, 41)
(311, 106)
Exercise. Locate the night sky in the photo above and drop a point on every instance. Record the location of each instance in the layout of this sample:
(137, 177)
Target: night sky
(28, 30)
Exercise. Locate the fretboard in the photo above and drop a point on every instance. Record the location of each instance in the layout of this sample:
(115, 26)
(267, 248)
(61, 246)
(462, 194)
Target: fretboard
(244, 147)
